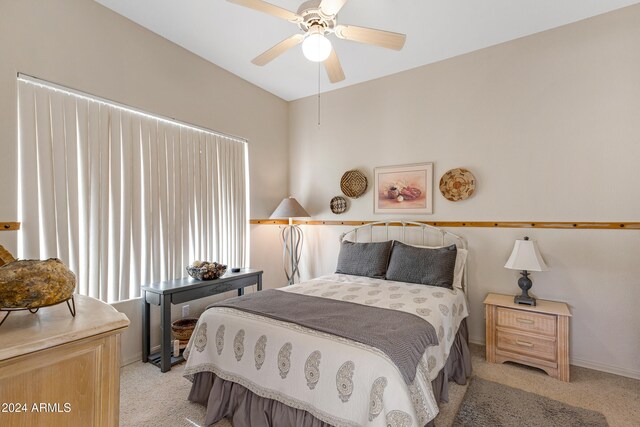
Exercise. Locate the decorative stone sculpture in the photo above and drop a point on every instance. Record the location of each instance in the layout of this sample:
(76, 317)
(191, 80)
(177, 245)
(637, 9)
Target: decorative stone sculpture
(5, 256)
(30, 284)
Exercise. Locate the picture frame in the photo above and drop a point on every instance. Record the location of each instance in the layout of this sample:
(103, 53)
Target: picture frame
(404, 189)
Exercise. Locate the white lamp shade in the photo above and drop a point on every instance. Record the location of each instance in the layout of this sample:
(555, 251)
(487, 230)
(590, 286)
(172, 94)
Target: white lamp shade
(316, 47)
(289, 208)
(526, 256)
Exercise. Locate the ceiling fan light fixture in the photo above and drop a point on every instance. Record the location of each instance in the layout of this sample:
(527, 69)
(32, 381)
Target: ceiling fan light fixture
(315, 18)
(316, 47)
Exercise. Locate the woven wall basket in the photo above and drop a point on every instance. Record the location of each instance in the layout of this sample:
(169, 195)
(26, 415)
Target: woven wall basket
(457, 184)
(353, 184)
(338, 205)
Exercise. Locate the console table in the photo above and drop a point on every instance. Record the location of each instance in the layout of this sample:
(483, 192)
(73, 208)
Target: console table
(178, 291)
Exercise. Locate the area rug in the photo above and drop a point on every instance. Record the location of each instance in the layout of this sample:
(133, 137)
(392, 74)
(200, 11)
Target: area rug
(491, 404)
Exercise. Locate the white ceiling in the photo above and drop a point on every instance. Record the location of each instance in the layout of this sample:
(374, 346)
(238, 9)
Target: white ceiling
(230, 36)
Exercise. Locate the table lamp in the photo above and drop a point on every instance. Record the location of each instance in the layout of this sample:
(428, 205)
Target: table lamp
(526, 257)
(291, 236)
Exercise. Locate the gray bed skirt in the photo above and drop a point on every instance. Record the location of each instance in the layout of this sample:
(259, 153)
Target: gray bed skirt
(226, 399)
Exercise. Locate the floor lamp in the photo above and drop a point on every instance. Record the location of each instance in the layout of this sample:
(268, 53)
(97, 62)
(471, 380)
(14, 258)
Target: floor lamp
(291, 236)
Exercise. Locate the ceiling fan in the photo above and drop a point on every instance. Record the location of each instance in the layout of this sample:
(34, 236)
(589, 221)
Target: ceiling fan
(317, 19)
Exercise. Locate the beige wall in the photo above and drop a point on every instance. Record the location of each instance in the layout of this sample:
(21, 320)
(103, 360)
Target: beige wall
(82, 45)
(550, 126)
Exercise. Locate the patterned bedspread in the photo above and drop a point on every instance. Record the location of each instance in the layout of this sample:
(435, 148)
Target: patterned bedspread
(339, 381)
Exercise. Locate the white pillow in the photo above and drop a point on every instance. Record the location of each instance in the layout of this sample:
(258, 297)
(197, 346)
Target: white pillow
(461, 262)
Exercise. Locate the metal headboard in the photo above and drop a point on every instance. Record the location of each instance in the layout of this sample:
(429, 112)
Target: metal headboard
(424, 230)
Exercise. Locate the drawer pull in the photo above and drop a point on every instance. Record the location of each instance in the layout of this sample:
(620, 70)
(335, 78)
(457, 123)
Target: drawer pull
(526, 321)
(524, 343)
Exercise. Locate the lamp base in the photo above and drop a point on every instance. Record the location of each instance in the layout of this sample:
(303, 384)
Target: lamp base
(525, 299)
(525, 284)
(291, 236)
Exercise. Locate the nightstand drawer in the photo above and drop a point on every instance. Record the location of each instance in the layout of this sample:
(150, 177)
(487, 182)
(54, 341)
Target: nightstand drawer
(526, 344)
(526, 321)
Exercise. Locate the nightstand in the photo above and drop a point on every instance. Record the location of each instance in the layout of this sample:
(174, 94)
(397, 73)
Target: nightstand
(537, 336)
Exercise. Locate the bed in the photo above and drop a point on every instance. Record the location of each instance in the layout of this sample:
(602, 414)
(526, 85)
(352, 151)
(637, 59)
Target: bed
(341, 349)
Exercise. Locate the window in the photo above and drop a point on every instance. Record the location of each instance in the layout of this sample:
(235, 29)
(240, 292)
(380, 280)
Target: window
(122, 197)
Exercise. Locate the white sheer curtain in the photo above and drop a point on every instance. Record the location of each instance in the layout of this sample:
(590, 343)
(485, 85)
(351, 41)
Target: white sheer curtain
(122, 197)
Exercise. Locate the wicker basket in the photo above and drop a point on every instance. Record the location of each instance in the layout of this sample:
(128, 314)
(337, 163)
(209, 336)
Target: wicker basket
(338, 205)
(353, 184)
(183, 328)
(457, 184)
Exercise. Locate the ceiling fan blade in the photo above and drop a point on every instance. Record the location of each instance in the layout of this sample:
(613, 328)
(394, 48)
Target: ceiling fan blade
(278, 49)
(370, 36)
(333, 67)
(263, 6)
(331, 7)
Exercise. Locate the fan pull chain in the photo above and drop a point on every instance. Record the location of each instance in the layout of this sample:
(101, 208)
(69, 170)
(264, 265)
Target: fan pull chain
(318, 93)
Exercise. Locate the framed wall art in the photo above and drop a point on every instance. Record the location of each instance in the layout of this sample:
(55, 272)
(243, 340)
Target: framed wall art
(406, 189)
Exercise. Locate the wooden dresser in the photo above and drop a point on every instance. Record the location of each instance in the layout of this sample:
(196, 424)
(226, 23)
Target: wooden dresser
(59, 370)
(532, 335)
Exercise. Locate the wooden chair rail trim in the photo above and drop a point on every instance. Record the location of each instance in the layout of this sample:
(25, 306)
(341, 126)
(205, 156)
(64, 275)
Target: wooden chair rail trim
(9, 226)
(474, 224)
(14, 226)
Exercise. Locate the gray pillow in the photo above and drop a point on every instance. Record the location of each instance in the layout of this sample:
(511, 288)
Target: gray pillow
(425, 266)
(364, 259)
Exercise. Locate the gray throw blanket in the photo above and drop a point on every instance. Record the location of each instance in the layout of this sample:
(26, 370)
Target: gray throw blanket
(402, 336)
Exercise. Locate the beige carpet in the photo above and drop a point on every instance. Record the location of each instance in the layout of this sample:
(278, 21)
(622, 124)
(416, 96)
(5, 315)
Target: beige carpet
(149, 398)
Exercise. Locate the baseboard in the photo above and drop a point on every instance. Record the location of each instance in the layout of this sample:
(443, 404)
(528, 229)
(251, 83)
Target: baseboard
(476, 340)
(630, 373)
(596, 366)
(136, 357)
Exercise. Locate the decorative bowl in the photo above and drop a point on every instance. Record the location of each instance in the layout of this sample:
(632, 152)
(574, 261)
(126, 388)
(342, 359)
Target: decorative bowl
(203, 270)
(183, 328)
